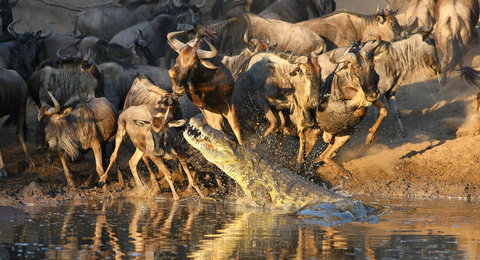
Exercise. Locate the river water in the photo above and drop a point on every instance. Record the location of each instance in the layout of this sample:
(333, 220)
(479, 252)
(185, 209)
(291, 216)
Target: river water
(160, 229)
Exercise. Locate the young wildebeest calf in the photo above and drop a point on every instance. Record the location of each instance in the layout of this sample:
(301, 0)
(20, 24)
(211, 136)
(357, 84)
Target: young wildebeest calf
(150, 128)
(85, 125)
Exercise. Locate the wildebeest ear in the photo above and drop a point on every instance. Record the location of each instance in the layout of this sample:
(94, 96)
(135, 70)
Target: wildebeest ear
(141, 123)
(380, 19)
(208, 64)
(177, 123)
(301, 60)
(66, 112)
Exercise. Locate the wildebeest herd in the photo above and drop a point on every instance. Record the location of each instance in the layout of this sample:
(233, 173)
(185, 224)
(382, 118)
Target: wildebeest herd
(283, 67)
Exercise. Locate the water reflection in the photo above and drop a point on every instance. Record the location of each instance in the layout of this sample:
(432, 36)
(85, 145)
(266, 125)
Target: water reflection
(145, 229)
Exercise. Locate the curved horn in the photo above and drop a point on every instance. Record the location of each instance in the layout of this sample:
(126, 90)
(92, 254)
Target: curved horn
(177, 3)
(367, 49)
(60, 56)
(56, 105)
(13, 4)
(245, 37)
(389, 5)
(47, 33)
(88, 54)
(11, 30)
(202, 54)
(166, 113)
(139, 41)
(347, 57)
(174, 43)
(202, 4)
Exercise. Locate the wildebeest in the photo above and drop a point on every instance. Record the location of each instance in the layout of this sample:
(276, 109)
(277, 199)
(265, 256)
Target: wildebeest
(13, 102)
(68, 82)
(395, 61)
(274, 83)
(154, 32)
(294, 11)
(150, 129)
(354, 27)
(236, 63)
(204, 78)
(105, 22)
(54, 48)
(77, 128)
(353, 89)
(20, 53)
(285, 36)
(454, 30)
(419, 14)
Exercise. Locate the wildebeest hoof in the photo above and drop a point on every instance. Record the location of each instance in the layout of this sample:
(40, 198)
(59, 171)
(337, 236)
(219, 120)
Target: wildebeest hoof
(370, 138)
(3, 173)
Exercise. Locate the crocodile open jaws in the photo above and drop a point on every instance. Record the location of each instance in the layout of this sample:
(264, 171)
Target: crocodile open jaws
(266, 184)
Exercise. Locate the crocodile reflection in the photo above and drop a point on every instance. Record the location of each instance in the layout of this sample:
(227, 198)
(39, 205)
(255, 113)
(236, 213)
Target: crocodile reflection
(145, 229)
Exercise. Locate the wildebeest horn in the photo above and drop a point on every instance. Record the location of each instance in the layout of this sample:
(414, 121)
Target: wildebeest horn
(366, 50)
(47, 33)
(166, 113)
(245, 37)
(56, 105)
(389, 6)
(202, 4)
(88, 54)
(347, 57)
(139, 41)
(65, 58)
(202, 54)
(174, 43)
(177, 3)
(13, 4)
(11, 30)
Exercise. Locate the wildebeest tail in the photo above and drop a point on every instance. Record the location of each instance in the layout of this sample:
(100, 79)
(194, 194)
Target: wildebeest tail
(471, 75)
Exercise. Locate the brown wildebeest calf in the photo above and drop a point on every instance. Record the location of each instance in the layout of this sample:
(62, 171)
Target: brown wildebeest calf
(207, 82)
(150, 128)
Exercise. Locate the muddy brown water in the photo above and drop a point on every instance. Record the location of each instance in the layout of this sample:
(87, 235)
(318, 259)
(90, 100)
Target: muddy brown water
(162, 229)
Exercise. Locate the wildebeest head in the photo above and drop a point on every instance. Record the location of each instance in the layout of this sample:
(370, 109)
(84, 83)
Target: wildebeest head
(59, 134)
(88, 64)
(188, 15)
(27, 47)
(307, 71)
(190, 57)
(160, 121)
(387, 24)
(361, 66)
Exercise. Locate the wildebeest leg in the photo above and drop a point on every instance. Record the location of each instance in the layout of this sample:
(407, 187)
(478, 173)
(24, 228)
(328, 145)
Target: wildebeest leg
(326, 156)
(392, 102)
(3, 172)
(97, 152)
(191, 181)
(476, 104)
(259, 100)
(168, 175)
(118, 141)
(372, 132)
(66, 171)
(213, 119)
(231, 117)
(311, 136)
(21, 132)
(153, 176)
(301, 149)
(133, 166)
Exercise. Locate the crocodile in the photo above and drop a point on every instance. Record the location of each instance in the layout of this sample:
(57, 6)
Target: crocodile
(263, 182)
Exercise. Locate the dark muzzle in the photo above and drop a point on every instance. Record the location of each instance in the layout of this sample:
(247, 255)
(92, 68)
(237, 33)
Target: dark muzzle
(158, 143)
